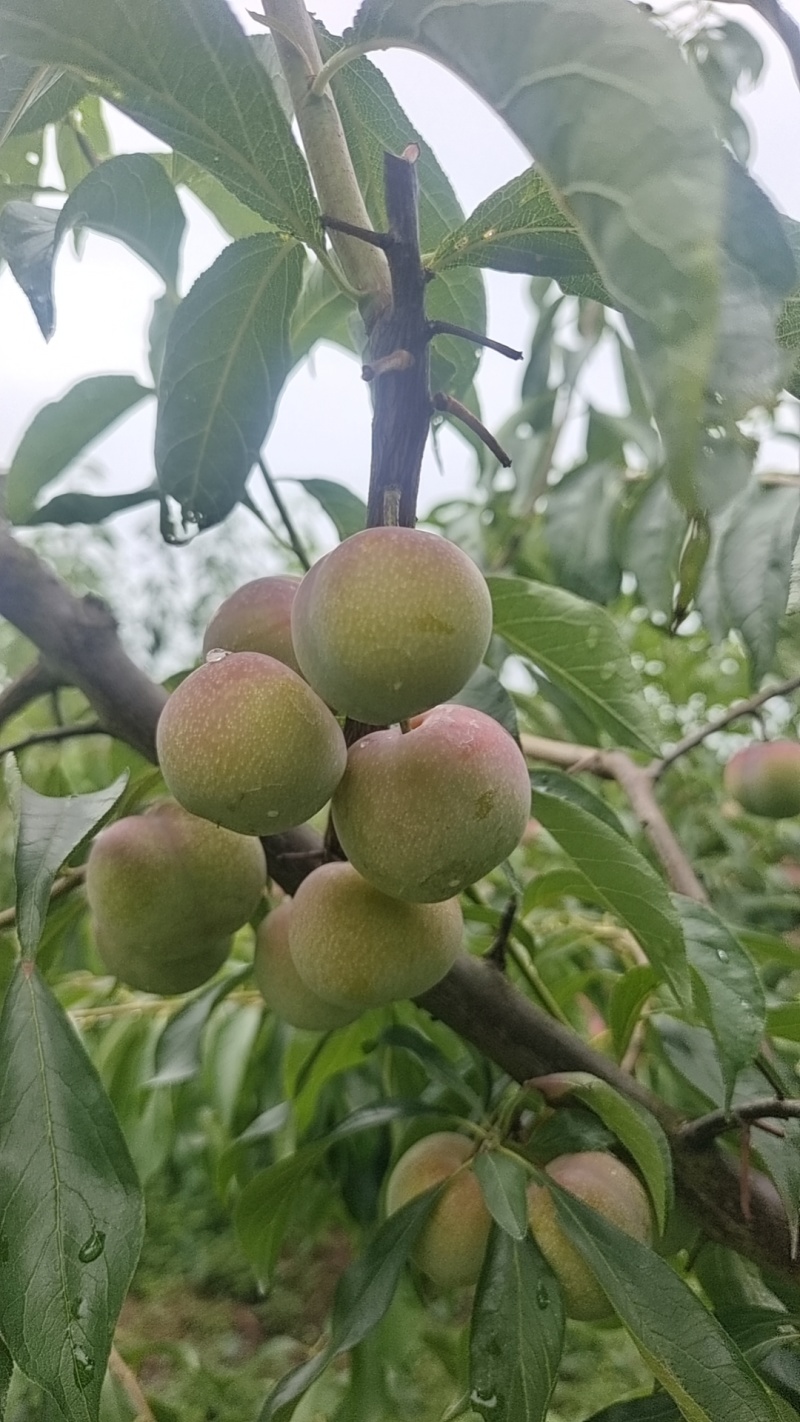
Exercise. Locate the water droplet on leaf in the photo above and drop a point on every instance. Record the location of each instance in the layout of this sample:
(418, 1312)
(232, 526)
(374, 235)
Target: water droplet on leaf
(93, 1247)
(542, 1296)
(722, 955)
(82, 1366)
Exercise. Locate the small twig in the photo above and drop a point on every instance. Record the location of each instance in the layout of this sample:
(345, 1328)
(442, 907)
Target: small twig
(499, 948)
(129, 1383)
(451, 406)
(384, 240)
(286, 518)
(69, 881)
(37, 680)
(700, 1132)
(56, 733)
(446, 328)
(657, 767)
(785, 27)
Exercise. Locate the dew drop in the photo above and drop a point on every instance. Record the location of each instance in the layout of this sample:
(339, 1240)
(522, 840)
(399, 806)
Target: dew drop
(542, 1297)
(722, 955)
(93, 1247)
(216, 654)
(79, 1308)
(82, 1366)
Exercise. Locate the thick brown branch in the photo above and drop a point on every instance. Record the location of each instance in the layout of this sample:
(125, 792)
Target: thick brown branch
(704, 1129)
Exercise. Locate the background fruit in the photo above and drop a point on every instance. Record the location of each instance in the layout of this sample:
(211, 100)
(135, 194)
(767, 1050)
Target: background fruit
(425, 813)
(765, 778)
(280, 984)
(257, 618)
(390, 623)
(166, 890)
(609, 1187)
(452, 1243)
(358, 948)
(246, 743)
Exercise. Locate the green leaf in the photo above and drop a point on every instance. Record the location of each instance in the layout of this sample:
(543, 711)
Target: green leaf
(263, 1209)
(225, 362)
(753, 565)
(656, 1407)
(680, 1341)
(26, 241)
(322, 313)
(67, 509)
(516, 1334)
(729, 997)
(634, 1127)
(374, 124)
(71, 1213)
(567, 787)
(624, 881)
(363, 1296)
(61, 431)
(503, 1182)
(437, 1065)
(178, 1050)
(485, 692)
(6, 1371)
(520, 228)
(784, 1021)
(595, 92)
(580, 524)
(578, 646)
(188, 74)
(346, 511)
(629, 994)
(48, 830)
(651, 545)
(21, 85)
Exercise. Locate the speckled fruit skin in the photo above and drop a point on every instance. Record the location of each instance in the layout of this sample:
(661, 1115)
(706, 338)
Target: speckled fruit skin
(603, 1182)
(422, 815)
(765, 779)
(247, 744)
(257, 618)
(452, 1243)
(390, 623)
(356, 947)
(280, 984)
(166, 890)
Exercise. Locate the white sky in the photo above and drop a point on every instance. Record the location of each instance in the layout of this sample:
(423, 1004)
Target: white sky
(322, 427)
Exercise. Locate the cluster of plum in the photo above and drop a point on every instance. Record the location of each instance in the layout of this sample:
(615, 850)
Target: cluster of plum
(452, 1243)
(382, 631)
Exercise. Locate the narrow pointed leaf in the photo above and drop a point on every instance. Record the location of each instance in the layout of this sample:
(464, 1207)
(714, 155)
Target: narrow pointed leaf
(178, 1050)
(186, 72)
(48, 829)
(567, 787)
(634, 1127)
(729, 997)
(225, 361)
(503, 1183)
(68, 509)
(579, 648)
(363, 1296)
(61, 431)
(485, 692)
(517, 1332)
(346, 511)
(624, 881)
(27, 233)
(684, 1345)
(265, 1206)
(628, 997)
(71, 1213)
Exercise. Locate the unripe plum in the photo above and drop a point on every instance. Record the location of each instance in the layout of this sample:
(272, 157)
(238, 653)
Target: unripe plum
(166, 890)
(356, 947)
(603, 1182)
(280, 984)
(452, 1242)
(765, 779)
(247, 744)
(390, 623)
(257, 618)
(425, 813)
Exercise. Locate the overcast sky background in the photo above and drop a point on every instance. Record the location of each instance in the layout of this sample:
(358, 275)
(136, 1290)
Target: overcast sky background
(322, 427)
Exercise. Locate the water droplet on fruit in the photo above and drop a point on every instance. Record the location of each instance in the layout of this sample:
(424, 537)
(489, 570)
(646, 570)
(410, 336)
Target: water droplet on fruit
(542, 1297)
(82, 1366)
(217, 654)
(93, 1247)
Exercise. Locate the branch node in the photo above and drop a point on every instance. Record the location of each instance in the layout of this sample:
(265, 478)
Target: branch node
(384, 365)
(384, 240)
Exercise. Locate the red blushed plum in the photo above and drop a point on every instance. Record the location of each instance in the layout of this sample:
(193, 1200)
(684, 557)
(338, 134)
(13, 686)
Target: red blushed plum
(765, 779)
(247, 744)
(423, 814)
(390, 623)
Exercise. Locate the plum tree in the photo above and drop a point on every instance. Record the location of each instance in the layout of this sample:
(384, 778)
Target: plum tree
(452, 1243)
(280, 984)
(358, 948)
(765, 779)
(256, 618)
(422, 815)
(166, 890)
(246, 743)
(390, 623)
(613, 1190)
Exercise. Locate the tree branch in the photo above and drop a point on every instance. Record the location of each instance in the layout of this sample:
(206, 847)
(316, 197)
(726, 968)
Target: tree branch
(734, 713)
(286, 519)
(700, 1132)
(37, 680)
(56, 733)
